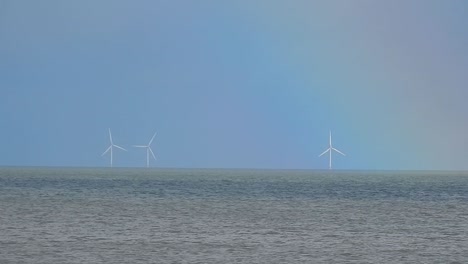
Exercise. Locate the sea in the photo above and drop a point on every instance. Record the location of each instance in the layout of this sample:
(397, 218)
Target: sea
(128, 215)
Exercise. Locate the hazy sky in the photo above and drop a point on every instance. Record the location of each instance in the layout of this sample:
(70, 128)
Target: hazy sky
(249, 84)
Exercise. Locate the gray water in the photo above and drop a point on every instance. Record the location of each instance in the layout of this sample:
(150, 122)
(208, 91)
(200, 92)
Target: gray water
(64, 215)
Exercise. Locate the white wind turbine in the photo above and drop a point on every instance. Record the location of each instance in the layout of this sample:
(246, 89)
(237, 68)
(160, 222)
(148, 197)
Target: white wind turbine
(112, 145)
(329, 149)
(148, 150)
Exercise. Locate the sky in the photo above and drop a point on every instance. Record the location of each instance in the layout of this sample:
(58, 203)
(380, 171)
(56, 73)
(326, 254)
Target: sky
(235, 84)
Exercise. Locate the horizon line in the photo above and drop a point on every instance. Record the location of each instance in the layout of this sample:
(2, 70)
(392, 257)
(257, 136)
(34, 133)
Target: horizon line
(231, 168)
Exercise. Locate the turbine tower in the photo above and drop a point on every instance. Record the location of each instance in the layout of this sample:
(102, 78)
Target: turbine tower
(112, 145)
(148, 150)
(329, 149)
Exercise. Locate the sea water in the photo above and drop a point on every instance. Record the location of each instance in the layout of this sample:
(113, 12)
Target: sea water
(67, 215)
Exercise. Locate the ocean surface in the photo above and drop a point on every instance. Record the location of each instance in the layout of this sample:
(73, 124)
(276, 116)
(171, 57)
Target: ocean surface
(74, 215)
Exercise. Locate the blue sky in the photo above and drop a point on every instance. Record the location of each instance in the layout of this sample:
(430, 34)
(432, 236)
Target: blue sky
(237, 84)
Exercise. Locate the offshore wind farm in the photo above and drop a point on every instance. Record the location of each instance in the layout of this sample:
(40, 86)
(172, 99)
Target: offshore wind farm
(149, 151)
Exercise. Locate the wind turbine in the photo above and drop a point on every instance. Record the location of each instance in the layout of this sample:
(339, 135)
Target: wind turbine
(148, 150)
(329, 149)
(112, 145)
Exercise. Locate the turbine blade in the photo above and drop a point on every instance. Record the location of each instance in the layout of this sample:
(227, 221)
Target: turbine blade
(151, 141)
(339, 151)
(152, 153)
(139, 146)
(110, 137)
(107, 150)
(119, 147)
(330, 141)
(324, 152)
